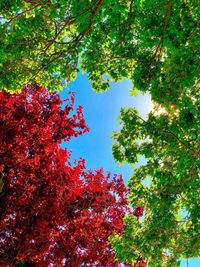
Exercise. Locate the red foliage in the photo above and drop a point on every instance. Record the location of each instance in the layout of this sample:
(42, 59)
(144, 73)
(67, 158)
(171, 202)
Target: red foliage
(140, 263)
(52, 212)
(138, 211)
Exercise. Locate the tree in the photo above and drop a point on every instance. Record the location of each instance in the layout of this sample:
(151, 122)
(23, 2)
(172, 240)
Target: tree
(153, 43)
(52, 211)
(168, 184)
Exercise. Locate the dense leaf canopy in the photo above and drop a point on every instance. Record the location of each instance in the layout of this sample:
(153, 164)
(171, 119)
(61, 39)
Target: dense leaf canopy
(52, 212)
(168, 184)
(152, 43)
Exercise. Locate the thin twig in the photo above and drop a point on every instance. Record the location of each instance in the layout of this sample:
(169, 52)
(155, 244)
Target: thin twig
(67, 22)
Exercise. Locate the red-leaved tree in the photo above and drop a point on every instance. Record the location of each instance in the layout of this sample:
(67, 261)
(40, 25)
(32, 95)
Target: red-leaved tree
(52, 212)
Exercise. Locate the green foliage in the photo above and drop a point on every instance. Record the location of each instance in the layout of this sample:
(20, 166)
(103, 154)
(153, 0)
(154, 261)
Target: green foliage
(153, 43)
(169, 140)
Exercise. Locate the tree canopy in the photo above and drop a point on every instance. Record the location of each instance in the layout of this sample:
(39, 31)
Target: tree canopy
(52, 212)
(168, 184)
(153, 43)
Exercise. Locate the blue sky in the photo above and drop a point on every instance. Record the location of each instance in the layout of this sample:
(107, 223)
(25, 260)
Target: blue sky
(101, 111)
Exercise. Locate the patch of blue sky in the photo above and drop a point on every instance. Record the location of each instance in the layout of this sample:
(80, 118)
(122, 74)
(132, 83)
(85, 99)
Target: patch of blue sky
(101, 111)
(190, 263)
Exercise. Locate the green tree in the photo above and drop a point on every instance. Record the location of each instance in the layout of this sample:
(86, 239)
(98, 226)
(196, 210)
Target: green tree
(167, 184)
(153, 43)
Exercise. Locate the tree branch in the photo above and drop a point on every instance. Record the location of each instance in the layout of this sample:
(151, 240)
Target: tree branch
(81, 35)
(130, 9)
(77, 40)
(168, 131)
(159, 47)
(22, 13)
(71, 20)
